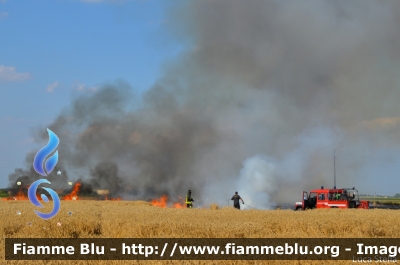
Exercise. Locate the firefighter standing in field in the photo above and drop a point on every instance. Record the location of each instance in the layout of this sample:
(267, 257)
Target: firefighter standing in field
(189, 199)
(235, 199)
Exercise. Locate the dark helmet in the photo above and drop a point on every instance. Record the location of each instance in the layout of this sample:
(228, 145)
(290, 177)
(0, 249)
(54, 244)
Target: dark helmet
(190, 191)
(236, 192)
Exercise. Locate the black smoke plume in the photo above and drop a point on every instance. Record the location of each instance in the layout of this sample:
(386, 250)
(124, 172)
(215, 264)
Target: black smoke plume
(263, 94)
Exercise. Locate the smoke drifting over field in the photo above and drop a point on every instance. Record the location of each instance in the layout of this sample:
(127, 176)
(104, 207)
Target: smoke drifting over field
(257, 103)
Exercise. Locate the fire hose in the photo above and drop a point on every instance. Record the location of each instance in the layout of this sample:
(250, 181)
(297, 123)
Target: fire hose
(250, 206)
(246, 205)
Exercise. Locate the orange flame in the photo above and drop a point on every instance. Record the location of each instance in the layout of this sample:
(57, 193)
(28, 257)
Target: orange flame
(9, 199)
(74, 193)
(180, 204)
(162, 202)
(112, 199)
(20, 196)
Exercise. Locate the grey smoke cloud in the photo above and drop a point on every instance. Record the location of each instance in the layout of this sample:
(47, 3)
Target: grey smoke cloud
(287, 81)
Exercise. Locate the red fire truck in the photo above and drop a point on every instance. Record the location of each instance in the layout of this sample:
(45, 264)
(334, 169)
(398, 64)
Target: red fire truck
(331, 198)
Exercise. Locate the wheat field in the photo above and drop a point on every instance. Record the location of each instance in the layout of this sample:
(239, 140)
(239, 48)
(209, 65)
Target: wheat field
(138, 219)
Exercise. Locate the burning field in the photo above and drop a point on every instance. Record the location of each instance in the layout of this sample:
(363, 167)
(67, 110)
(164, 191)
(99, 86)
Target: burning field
(139, 219)
(163, 202)
(74, 195)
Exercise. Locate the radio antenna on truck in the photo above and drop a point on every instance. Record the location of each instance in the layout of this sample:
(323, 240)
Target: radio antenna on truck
(334, 169)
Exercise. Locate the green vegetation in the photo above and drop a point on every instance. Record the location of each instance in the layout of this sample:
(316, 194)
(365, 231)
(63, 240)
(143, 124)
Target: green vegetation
(3, 194)
(387, 200)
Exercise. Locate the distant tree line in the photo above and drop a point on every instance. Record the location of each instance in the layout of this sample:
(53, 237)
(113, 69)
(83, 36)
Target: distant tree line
(3, 193)
(397, 195)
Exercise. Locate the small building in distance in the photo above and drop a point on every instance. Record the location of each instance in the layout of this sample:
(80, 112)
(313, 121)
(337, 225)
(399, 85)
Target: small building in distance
(102, 192)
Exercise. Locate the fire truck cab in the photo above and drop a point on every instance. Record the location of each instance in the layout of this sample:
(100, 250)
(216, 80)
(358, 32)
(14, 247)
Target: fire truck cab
(331, 198)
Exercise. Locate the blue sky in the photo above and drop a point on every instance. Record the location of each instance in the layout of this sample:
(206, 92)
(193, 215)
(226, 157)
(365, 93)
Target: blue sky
(52, 50)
